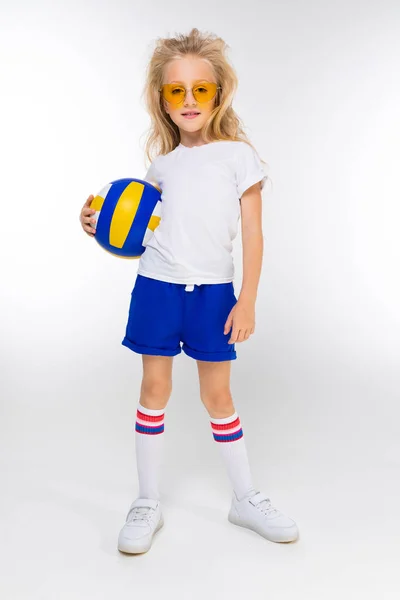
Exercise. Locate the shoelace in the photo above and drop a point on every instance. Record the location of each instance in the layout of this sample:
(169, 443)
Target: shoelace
(140, 513)
(266, 507)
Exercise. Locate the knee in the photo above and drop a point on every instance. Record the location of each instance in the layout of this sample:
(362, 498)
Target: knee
(155, 393)
(219, 404)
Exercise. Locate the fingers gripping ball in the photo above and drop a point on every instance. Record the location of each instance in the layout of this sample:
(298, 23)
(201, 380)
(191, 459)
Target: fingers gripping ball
(127, 213)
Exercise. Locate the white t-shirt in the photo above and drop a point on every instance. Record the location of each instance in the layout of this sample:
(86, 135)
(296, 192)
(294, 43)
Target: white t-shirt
(200, 209)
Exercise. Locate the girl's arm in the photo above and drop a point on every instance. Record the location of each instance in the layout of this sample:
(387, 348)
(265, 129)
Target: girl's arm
(252, 241)
(241, 319)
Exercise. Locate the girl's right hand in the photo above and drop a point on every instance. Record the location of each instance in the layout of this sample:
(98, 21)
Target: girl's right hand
(86, 217)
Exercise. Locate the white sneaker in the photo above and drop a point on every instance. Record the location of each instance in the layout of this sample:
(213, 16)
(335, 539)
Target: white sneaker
(143, 520)
(257, 513)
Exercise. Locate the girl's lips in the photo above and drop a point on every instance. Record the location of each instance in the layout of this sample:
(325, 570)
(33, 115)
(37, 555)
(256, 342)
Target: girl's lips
(190, 116)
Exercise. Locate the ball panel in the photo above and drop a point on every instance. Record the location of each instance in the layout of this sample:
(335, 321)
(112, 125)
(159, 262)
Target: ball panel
(143, 214)
(104, 191)
(102, 236)
(157, 209)
(154, 222)
(124, 213)
(97, 203)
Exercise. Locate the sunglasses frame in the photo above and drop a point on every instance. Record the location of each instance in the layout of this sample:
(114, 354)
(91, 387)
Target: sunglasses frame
(186, 89)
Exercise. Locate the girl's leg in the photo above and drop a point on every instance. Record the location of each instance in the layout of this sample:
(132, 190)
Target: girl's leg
(156, 385)
(214, 379)
(155, 392)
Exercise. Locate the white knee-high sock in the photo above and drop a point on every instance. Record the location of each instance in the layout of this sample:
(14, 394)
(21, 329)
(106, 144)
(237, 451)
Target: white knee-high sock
(149, 443)
(228, 434)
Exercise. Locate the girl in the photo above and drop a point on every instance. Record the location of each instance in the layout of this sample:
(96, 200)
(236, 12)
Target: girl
(210, 176)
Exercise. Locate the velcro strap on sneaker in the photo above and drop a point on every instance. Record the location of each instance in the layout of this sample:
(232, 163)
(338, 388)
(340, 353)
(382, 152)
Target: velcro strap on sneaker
(259, 497)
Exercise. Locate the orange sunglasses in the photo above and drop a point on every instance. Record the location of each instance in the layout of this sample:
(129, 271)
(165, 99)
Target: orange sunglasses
(175, 93)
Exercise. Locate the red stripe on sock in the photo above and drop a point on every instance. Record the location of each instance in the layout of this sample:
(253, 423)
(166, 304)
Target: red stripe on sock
(150, 418)
(223, 426)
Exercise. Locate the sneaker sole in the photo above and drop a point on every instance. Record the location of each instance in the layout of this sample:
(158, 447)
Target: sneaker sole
(139, 547)
(282, 537)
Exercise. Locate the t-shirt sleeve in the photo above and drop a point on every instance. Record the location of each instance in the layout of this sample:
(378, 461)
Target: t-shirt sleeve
(249, 169)
(152, 174)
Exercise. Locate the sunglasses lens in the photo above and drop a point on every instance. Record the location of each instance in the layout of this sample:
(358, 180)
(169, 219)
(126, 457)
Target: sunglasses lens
(204, 92)
(173, 93)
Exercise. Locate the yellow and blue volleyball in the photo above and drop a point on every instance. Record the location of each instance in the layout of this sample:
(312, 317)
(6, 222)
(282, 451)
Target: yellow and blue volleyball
(127, 213)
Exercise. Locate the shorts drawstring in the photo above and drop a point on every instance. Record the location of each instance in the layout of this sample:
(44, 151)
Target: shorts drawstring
(189, 288)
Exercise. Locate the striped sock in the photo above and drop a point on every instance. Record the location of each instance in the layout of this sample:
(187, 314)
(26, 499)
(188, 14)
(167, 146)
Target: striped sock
(228, 434)
(149, 442)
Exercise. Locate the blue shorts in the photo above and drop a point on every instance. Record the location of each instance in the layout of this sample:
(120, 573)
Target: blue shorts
(163, 314)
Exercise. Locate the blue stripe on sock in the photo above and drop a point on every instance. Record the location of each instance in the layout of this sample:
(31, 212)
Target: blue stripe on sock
(149, 430)
(230, 437)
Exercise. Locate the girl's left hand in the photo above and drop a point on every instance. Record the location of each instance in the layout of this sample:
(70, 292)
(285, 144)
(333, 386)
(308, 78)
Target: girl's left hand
(242, 320)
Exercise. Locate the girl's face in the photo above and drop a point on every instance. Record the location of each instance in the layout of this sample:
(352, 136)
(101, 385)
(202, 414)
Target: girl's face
(188, 71)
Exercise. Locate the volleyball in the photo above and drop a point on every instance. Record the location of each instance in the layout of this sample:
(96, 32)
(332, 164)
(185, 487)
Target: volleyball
(127, 213)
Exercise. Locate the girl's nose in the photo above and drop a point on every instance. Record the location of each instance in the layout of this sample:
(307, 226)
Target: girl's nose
(189, 97)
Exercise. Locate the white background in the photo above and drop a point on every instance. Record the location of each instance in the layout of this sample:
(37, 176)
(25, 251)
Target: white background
(317, 385)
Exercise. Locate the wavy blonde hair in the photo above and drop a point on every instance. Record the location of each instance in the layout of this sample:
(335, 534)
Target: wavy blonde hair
(223, 123)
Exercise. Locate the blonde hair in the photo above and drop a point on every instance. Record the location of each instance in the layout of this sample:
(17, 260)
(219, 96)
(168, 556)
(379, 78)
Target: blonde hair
(223, 123)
